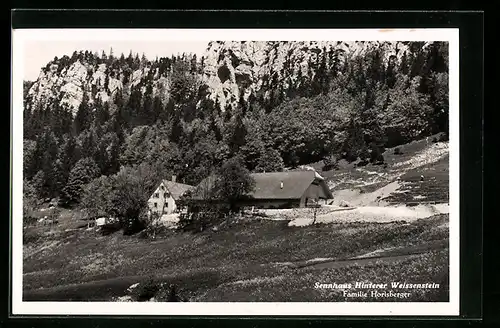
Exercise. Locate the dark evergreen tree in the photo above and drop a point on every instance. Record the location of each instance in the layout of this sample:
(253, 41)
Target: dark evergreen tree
(201, 67)
(83, 117)
(130, 59)
(157, 109)
(216, 129)
(136, 63)
(27, 123)
(176, 130)
(238, 134)
(403, 67)
(270, 161)
(101, 112)
(242, 105)
(169, 111)
(45, 153)
(67, 157)
(417, 64)
(390, 74)
(147, 110)
(233, 182)
(111, 57)
(106, 83)
(144, 60)
(84, 171)
(193, 66)
(87, 143)
(132, 114)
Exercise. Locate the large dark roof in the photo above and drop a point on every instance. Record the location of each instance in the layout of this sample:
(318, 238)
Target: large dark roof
(268, 185)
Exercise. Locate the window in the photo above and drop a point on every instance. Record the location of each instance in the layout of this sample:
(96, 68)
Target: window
(162, 188)
(166, 205)
(155, 204)
(157, 195)
(165, 195)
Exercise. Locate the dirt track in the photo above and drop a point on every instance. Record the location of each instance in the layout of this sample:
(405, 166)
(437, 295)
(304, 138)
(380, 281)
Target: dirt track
(390, 255)
(377, 214)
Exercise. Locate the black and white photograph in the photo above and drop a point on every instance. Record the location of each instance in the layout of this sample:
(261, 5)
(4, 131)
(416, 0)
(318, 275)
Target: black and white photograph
(235, 172)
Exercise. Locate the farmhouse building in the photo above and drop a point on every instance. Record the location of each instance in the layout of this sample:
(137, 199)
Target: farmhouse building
(278, 190)
(163, 200)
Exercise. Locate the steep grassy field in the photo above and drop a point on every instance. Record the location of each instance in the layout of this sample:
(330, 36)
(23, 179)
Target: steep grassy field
(416, 159)
(82, 265)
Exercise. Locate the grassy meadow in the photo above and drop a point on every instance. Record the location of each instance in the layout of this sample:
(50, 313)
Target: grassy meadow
(248, 260)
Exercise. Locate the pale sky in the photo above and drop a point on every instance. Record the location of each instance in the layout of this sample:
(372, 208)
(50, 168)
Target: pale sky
(38, 53)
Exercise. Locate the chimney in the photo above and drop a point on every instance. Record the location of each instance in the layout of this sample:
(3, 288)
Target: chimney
(281, 185)
(174, 178)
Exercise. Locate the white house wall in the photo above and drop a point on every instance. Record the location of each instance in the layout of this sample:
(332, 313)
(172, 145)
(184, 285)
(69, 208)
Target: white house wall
(161, 200)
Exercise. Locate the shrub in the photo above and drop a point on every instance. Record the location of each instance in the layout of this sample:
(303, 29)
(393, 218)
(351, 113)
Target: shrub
(110, 228)
(29, 220)
(216, 197)
(330, 163)
(132, 226)
(362, 162)
(397, 151)
(376, 156)
(444, 137)
(153, 228)
(31, 236)
(146, 290)
(198, 217)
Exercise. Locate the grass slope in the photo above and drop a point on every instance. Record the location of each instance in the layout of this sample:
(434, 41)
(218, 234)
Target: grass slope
(421, 157)
(202, 263)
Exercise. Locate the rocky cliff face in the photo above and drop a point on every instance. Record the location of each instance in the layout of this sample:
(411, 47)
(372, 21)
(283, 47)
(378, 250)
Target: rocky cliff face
(231, 70)
(238, 69)
(66, 84)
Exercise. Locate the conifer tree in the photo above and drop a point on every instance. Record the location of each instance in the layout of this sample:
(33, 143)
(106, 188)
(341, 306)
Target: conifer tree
(67, 157)
(242, 105)
(169, 111)
(270, 161)
(137, 62)
(132, 111)
(144, 60)
(403, 66)
(147, 114)
(157, 108)
(122, 59)
(45, 153)
(102, 114)
(201, 67)
(83, 117)
(84, 171)
(111, 57)
(238, 134)
(106, 83)
(193, 65)
(176, 130)
(27, 123)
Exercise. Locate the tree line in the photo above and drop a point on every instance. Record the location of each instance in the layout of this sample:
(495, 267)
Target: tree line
(349, 109)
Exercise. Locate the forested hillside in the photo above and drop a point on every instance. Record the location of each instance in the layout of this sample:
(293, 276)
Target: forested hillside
(90, 117)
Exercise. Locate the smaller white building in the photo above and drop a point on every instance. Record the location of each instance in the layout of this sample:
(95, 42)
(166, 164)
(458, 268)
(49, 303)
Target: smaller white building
(104, 220)
(163, 200)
